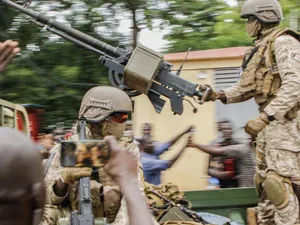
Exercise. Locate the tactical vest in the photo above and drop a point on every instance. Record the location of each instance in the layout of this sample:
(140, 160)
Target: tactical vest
(260, 77)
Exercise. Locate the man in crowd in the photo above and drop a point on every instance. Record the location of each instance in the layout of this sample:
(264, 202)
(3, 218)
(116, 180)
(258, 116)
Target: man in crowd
(217, 163)
(270, 74)
(152, 164)
(236, 160)
(105, 110)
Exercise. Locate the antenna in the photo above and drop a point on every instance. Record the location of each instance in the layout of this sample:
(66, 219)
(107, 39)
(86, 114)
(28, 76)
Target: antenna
(180, 68)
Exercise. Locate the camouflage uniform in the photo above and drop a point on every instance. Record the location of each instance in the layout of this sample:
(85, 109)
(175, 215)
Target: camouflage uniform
(278, 145)
(54, 211)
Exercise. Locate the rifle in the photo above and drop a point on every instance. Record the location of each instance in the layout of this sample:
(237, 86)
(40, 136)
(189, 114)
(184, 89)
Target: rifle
(142, 71)
(85, 214)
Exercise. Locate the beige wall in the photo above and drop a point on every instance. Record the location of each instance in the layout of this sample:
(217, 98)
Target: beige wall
(190, 171)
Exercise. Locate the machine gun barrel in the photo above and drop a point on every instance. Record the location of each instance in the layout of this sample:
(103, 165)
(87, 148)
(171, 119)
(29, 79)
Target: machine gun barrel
(41, 18)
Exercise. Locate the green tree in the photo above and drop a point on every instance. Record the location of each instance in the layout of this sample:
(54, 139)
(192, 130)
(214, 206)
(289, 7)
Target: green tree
(192, 23)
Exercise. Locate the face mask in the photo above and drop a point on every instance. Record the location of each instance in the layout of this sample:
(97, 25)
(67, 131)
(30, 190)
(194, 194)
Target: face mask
(113, 128)
(253, 28)
(94, 132)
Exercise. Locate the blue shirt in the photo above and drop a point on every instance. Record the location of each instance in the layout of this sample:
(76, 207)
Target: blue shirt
(152, 165)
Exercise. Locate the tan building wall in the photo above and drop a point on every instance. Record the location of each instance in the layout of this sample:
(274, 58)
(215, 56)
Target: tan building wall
(190, 171)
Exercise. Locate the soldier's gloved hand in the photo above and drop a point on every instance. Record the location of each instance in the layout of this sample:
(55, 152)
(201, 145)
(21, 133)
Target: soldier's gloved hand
(253, 127)
(70, 175)
(213, 95)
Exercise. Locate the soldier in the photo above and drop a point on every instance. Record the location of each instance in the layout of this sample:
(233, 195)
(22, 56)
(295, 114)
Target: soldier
(271, 75)
(105, 110)
(22, 191)
(8, 50)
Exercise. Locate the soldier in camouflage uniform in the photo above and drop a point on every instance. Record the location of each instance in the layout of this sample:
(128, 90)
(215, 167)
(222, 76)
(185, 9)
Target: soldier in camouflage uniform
(106, 110)
(271, 75)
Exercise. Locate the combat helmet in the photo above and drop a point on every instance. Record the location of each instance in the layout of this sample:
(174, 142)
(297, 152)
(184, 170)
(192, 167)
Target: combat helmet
(101, 101)
(267, 11)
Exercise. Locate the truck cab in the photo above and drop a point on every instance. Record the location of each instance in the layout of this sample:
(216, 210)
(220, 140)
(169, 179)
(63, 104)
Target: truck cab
(14, 116)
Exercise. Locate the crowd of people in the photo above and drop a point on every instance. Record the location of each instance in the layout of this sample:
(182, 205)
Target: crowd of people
(270, 74)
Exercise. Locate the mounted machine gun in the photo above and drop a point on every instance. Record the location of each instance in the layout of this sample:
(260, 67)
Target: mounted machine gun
(142, 71)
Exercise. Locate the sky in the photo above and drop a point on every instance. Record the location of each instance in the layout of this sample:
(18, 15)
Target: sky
(153, 39)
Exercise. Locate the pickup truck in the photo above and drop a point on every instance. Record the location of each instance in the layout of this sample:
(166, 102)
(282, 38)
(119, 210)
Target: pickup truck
(14, 116)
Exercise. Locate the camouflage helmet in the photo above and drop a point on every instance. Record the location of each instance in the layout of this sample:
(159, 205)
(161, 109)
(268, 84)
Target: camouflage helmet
(267, 11)
(101, 101)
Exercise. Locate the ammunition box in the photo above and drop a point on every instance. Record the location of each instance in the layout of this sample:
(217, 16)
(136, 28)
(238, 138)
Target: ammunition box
(142, 68)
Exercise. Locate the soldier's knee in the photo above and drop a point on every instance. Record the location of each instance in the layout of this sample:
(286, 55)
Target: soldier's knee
(278, 189)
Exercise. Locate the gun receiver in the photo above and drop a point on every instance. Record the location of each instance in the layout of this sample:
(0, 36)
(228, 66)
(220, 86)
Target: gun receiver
(142, 71)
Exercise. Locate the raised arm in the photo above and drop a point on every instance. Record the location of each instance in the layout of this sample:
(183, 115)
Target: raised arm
(176, 138)
(176, 157)
(209, 149)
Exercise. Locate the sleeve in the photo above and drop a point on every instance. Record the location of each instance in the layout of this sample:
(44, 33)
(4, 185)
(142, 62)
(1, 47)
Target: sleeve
(287, 53)
(51, 177)
(122, 216)
(156, 165)
(160, 148)
(233, 95)
(234, 151)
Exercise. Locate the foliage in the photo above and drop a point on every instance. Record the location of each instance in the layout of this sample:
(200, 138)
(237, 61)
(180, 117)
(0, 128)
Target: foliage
(193, 23)
(219, 27)
(51, 72)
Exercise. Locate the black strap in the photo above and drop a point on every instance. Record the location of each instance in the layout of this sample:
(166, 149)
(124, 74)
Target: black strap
(102, 199)
(245, 63)
(48, 163)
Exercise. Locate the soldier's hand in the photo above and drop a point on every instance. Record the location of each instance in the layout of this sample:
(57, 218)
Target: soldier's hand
(212, 96)
(70, 175)
(122, 165)
(8, 50)
(253, 127)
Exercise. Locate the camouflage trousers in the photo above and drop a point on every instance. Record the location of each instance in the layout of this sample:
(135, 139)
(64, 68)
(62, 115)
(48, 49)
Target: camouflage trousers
(276, 151)
(52, 214)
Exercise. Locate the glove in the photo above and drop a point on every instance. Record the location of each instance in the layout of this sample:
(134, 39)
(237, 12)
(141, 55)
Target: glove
(253, 127)
(213, 95)
(70, 175)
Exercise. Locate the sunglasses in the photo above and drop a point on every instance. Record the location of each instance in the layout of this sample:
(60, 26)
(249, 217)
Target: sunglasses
(251, 19)
(119, 117)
